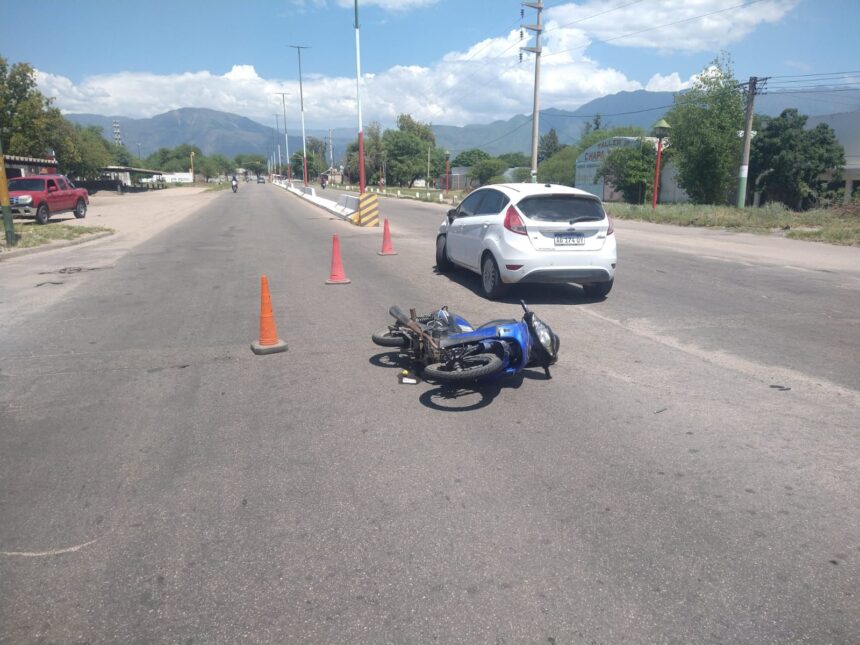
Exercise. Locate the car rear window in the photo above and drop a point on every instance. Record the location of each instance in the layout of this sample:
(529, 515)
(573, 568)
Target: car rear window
(561, 208)
(27, 184)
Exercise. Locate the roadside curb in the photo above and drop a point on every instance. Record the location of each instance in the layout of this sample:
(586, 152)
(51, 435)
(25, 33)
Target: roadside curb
(5, 255)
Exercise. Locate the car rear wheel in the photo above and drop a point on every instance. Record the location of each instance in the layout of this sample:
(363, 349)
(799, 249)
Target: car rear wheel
(443, 264)
(598, 289)
(491, 280)
(42, 214)
(81, 209)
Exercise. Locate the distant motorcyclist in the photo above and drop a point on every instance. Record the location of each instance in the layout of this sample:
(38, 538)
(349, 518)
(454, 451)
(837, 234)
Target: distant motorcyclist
(235, 184)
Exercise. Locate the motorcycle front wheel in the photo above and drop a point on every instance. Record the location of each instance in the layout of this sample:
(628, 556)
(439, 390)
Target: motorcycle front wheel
(468, 368)
(385, 338)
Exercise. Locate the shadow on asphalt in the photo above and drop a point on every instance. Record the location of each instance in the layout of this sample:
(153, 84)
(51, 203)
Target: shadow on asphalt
(453, 398)
(533, 294)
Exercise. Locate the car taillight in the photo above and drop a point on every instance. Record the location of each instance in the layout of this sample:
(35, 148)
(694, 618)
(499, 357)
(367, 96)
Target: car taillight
(611, 228)
(513, 222)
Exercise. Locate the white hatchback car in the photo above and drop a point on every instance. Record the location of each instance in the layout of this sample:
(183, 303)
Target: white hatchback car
(513, 233)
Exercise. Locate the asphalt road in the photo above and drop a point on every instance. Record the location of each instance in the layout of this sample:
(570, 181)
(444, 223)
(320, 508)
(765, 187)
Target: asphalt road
(159, 482)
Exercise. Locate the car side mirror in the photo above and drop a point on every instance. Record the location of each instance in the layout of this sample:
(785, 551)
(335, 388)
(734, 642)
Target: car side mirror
(52, 189)
(452, 214)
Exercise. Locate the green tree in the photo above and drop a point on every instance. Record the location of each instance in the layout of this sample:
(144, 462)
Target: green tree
(592, 126)
(93, 153)
(373, 154)
(255, 164)
(21, 107)
(794, 158)
(560, 168)
(469, 158)
(424, 131)
(548, 145)
(515, 159)
(406, 157)
(631, 171)
(486, 169)
(522, 175)
(705, 122)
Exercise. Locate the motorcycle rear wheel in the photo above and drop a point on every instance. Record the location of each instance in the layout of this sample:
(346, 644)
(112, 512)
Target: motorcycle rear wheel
(471, 368)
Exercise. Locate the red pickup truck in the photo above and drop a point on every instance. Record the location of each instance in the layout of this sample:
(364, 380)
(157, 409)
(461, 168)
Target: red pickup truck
(45, 195)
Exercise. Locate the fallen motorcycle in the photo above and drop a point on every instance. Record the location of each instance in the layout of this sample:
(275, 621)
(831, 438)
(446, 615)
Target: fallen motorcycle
(448, 349)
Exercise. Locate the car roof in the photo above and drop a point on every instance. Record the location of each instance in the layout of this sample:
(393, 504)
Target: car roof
(517, 191)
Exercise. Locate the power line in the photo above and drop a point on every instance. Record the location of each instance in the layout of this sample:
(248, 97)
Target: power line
(853, 71)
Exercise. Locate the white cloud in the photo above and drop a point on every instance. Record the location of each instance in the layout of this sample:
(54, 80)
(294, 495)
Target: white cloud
(691, 30)
(485, 82)
(670, 83)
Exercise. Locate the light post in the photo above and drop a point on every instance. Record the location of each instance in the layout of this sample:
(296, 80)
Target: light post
(447, 170)
(299, 49)
(277, 132)
(139, 159)
(361, 177)
(286, 140)
(192, 167)
(661, 130)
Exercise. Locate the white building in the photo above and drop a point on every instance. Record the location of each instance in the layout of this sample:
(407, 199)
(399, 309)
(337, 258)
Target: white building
(589, 162)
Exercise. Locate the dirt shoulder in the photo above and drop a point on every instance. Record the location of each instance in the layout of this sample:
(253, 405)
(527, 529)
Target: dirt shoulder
(139, 216)
(743, 247)
(131, 218)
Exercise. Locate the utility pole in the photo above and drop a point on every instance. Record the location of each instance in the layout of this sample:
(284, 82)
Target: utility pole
(299, 49)
(428, 167)
(286, 141)
(745, 157)
(537, 28)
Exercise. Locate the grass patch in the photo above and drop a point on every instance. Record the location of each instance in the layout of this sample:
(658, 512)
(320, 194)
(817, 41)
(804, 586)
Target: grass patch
(30, 235)
(838, 225)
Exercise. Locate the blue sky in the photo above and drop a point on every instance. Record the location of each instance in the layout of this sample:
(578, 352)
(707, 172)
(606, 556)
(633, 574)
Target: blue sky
(443, 61)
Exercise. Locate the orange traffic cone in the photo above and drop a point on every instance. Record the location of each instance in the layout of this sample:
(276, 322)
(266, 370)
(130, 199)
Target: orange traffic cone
(269, 342)
(337, 275)
(387, 249)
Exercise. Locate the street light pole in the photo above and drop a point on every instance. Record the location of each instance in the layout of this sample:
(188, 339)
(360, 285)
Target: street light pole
(286, 140)
(447, 170)
(192, 167)
(277, 132)
(361, 177)
(299, 49)
(661, 129)
(139, 159)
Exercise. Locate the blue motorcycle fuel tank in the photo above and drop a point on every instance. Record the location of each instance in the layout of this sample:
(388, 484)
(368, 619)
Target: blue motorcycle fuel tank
(512, 335)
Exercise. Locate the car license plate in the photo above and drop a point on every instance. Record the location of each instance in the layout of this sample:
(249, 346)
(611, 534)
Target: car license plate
(569, 239)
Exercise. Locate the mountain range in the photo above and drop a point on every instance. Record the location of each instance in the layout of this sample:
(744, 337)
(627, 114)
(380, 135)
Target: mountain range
(230, 134)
